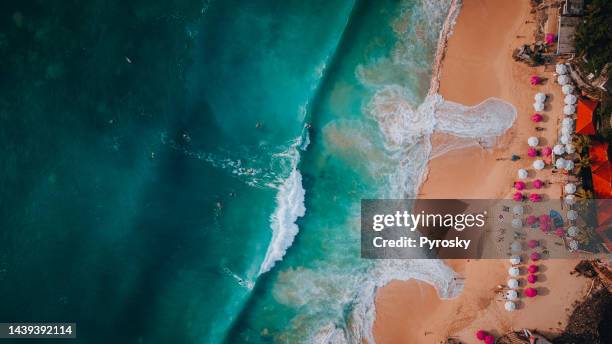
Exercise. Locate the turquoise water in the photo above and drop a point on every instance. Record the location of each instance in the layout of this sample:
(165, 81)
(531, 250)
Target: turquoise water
(190, 172)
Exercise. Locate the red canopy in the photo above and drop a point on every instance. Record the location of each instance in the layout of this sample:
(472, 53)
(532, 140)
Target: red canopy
(601, 170)
(584, 121)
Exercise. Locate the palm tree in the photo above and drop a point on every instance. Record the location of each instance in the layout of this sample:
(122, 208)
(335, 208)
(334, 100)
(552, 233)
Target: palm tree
(585, 162)
(583, 194)
(581, 142)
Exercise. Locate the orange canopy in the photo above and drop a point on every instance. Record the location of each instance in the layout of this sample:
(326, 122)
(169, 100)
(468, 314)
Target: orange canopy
(601, 170)
(584, 121)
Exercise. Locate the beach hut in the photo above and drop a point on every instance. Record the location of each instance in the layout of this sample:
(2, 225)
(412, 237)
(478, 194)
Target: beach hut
(572, 215)
(570, 148)
(536, 117)
(569, 110)
(570, 99)
(531, 292)
(561, 69)
(563, 80)
(566, 34)
(560, 163)
(510, 306)
(533, 141)
(584, 120)
(573, 231)
(517, 223)
(538, 106)
(567, 89)
(513, 283)
(540, 97)
(538, 184)
(570, 188)
(511, 295)
(539, 164)
(522, 173)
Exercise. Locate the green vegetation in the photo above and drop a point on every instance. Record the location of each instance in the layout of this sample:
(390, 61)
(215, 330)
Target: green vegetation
(594, 35)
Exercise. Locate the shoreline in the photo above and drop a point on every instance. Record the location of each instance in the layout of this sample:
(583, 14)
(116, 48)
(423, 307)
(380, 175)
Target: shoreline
(473, 64)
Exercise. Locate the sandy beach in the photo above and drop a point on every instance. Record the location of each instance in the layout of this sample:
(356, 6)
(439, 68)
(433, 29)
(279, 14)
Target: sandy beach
(478, 65)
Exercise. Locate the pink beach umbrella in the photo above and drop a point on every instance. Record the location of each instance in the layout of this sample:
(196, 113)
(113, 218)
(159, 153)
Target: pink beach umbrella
(534, 197)
(531, 219)
(544, 226)
(546, 151)
(534, 80)
(532, 278)
(489, 339)
(538, 184)
(545, 218)
(535, 256)
(550, 38)
(519, 185)
(532, 243)
(532, 152)
(532, 269)
(481, 334)
(517, 196)
(536, 117)
(531, 292)
(560, 232)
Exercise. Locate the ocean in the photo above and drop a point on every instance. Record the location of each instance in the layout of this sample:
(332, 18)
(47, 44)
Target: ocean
(191, 171)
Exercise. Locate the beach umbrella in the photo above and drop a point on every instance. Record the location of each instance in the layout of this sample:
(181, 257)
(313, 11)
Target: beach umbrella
(531, 292)
(522, 173)
(560, 232)
(567, 122)
(538, 184)
(513, 283)
(534, 80)
(534, 197)
(550, 38)
(560, 163)
(559, 149)
(565, 130)
(516, 246)
(570, 188)
(515, 260)
(545, 218)
(532, 243)
(517, 223)
(572, 215)
(532, 152)
(514, 271)
(565, 139)
(510, 306)
(531, 219)
(544, 226)
(570, 148)
(517, 196)
(538, 106)
(535, 256)
(533, 141)
(519, 185)
(489, 339)
(563, 80)
(532, 268)
(518, 210)
(573, 245)
(536, 118)
(569, 110)
(570, 99)
(538, 164)
(532, 278)
(481, 334)
(569, 199)
(567, 89)
(561, 68)
(573, 231)
(546, 151)
(569, 165)
(540, 97)
(511, 295)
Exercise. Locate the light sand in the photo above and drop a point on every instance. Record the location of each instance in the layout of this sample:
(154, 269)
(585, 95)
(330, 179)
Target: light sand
(477, 65)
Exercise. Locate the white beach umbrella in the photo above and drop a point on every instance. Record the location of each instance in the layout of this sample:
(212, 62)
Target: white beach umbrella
(567, 122)
(569, 165)
(516, 247)
(572, 215)
(559, 149)
(518, 210)
(570, 188)
(570, 99)
(565, 130)
(522, 173)
(510, 306)
(561, 68)
(533, 141)
(517, 223)
(540, 97)
(570, 148)
(563, 80)
(570, 199)
(573, 245)
(565, 139)
(513, 283)
(511, 295)
(567, 89)
(538, 106)
(569, 110)
(560, 163)
(573, 231)
(514, 271)
(538, 164)
(515, 260)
